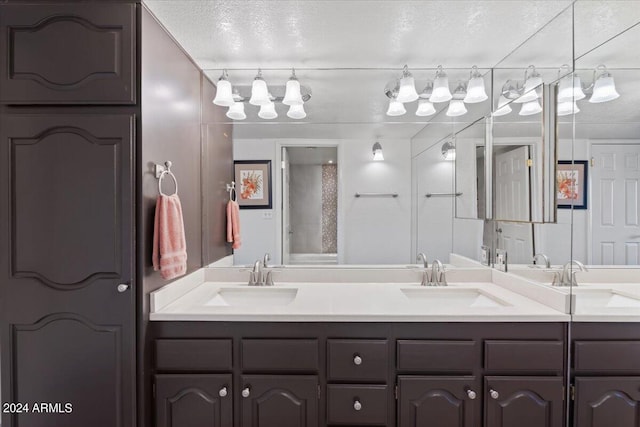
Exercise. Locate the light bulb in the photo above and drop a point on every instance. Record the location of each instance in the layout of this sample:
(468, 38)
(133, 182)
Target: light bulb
(425, 108)
(567, 107)
(441, 92)
(259, 91)
(570, 89)
(604, 88)
(224, 95)
(292, 95)
(395, 108)
(236, 111)
(407, 91)
(296, 112)
(475, 88)
(268, 111)
(530, 108)
(503, 107)
(456, 108)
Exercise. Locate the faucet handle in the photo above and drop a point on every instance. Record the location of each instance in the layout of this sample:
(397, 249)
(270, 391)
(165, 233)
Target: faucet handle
(268, 280)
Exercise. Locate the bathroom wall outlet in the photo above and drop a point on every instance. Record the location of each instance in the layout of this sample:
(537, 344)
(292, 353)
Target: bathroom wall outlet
(485, 255)
(267, 214)
(501, 260)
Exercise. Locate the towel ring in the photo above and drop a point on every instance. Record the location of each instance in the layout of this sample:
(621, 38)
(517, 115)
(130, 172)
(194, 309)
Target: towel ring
(231, 188)
(165, 172)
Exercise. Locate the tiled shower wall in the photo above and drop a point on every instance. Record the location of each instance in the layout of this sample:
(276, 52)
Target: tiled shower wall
(330, 209)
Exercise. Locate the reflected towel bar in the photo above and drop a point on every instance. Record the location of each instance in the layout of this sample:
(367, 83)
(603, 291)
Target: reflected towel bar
(376, 194)
(443, 195)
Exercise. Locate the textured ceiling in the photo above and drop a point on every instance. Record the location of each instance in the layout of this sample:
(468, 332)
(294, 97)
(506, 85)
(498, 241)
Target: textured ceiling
(347, 50)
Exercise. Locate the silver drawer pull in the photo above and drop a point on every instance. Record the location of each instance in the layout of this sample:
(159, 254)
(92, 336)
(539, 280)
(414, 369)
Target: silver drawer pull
(357, 360)
(494, 394)
(472, 394)
(223, 392)
(357, 405)
(246, 392)
(122, 287)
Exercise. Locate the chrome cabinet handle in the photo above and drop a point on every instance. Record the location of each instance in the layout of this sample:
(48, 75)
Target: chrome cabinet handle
(494, 394)
(223, 392)
(123, 287)
(357, 405)
(472, 394)
(357, 360)
(246, 392)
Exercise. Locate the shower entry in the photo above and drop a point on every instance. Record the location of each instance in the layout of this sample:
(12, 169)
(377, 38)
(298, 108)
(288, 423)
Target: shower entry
(309, 205)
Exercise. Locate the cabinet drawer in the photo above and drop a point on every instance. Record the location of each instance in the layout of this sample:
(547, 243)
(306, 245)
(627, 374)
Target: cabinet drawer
(607, 356)
(193, 355)
(437, 356)
(523, 356)
(281, 355)
(357, 360)
(357, 405)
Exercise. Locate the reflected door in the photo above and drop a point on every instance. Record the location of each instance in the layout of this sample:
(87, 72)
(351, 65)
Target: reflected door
(615, 216)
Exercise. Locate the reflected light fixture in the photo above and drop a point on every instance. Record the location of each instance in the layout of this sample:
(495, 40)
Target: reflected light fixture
(259, 91)
(567, 107)
(236, 111)
(475, 88)
(532, 80)
(425, 108)
(570, 86)
(604, 88)
(456, 105)
(268, 111)
(396, 108)
(441, 92)
(377, 152)
(448, 151)
(407, 91)
(292, 95)
(503, 107)
(296, 112)
(224, 94)
(530, 108)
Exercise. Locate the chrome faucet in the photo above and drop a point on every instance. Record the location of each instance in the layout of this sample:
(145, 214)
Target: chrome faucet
(438, 277)
(255, 276)
(569, 277)
(425, 273)
(547, 263)
(422, 257)
(266, 258)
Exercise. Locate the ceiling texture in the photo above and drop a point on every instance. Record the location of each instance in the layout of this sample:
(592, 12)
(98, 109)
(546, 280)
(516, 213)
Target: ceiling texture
(346, 51)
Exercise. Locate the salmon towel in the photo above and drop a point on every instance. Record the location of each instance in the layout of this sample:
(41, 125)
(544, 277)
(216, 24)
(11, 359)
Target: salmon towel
(233, 224)
(169, 243)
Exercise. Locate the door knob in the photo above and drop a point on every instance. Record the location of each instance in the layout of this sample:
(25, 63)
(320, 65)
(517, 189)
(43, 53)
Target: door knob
(357, 360)
(357, 405)
(472, 394)
(122, 287)
(223, 392)
(494, 394)
(246, 392)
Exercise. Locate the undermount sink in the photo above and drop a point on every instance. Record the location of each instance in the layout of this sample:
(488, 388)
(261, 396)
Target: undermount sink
(604, 298)
(261, 296)
(448, 297)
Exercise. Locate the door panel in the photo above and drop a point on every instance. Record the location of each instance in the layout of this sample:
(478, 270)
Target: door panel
(73, 53)
(67, 243)
(608, 401)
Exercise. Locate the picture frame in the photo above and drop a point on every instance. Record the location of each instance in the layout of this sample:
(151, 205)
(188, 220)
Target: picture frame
(253, 183)
(572, 184)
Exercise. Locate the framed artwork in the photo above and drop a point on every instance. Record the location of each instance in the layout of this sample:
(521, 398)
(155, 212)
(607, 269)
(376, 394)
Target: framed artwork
(571, 184)
(253, 183)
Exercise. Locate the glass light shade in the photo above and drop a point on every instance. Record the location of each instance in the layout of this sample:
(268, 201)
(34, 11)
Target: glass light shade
(268, 111)
(570, 89)
(604, 89)
(395, 108)
(407, 92)
(448, 151)
(425, 108)
(503, 107)
(530, 108)
(292, 95)
(224, 95)
(259, 92)
(377, 152)
(296, 112)
(236, 111)
(456, 108)
(441, 92)
(567, 107)
(475, 91)
(529, 92)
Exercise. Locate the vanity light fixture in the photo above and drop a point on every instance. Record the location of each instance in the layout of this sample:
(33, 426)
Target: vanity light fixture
(570, 86)
(604, 87)
(567, 107)
(377, 151)
(396, 108)
(407, 91)
(475, 89)
(441, 92)
(259, 91)
(530, 108)
(425, 108)
(503, 107)
(296, 112)
(532, 80)
(293, 95)
(456, 105)
(268, 111)
(224, 94)
(236, 111)
(448, 151)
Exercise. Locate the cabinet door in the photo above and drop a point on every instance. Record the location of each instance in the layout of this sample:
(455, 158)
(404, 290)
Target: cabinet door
(453, 401)
(524, 401)
(68, 53)
(279, 400)
(608, 401)
(193, 401)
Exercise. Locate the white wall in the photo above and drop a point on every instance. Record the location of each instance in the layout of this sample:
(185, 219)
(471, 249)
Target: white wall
(370, 230)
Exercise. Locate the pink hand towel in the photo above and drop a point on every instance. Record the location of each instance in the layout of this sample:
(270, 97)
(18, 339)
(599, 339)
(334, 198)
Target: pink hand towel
(169, 243)
(233, 224)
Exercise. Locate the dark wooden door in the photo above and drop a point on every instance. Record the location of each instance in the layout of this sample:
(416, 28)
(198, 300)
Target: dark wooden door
(524, 401)
(66, 246)
(193, 401)
(607, 402)
(279, 400)
(68, 53)
(438, 401)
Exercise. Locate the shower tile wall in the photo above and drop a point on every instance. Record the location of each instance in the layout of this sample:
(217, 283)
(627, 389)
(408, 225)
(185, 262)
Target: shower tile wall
(330, 209)
(305, 193)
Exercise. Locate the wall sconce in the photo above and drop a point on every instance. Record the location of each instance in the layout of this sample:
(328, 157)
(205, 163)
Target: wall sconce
(448, 151)
(377, 152)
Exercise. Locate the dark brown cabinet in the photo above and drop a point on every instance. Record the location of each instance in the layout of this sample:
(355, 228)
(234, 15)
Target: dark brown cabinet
(71, 53)
(524, 402)
(607, 401)
(193, 400)
(453, 401)
(279, 400)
